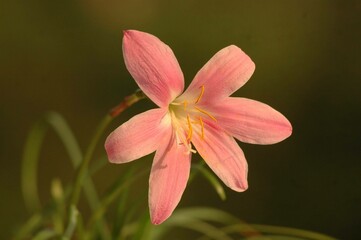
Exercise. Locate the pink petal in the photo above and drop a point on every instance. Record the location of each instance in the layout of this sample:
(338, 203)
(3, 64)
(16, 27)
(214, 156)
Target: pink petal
(137, 137)
(252, 121)
(153, 66)
(223, 74)
(168, 179)
(223, 155)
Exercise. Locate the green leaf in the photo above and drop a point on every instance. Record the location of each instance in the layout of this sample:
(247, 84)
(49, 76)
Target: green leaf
(268, 232)
(121, 184)
(31, 158)
(57, 193)
(120, 216)
(206, 214)
(143, 229)
(27, 228)
(291, 232)
(60, 126)
(73, 217)
(31, 154)
(131, 212)
(30, 166)
(45, 234)
(193, 224)
(213, 180)
(195, 219)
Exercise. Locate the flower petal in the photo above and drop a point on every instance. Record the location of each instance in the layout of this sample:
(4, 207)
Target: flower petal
(137, 137)
(251, 121)
(223, 155)
(223, 74)
(153, 66)
(168, 178)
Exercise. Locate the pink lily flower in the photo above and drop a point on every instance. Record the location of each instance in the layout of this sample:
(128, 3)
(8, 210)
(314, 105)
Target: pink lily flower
(203, 119)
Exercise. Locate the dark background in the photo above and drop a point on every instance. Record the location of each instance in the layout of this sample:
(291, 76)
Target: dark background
(66, 56)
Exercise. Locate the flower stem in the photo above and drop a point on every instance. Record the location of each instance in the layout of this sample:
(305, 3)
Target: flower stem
(83, 168)
(127, 102)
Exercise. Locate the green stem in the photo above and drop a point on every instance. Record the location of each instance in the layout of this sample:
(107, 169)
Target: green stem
(82, 170)
(195, 170)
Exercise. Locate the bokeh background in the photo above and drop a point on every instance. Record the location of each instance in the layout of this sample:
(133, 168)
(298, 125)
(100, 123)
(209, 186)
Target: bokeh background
(66, 56)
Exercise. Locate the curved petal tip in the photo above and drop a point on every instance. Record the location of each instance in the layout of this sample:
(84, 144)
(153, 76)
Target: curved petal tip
(159, 219)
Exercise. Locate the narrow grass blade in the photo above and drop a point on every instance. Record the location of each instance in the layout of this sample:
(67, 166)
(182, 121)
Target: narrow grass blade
(118, 188)
(29, 166)
(196, 219)
(60, 126)
(286, 231)
(213, 180)
(192, 224)
(45, 234)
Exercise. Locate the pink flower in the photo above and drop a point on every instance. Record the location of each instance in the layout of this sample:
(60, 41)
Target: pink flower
(204, 118)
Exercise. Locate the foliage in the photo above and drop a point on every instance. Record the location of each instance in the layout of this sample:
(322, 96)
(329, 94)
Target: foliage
(61, 218)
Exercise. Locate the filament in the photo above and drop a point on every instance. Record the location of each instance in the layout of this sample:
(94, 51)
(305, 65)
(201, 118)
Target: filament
(206, 113)
(202, 127)
(190, 129)
(200, 95)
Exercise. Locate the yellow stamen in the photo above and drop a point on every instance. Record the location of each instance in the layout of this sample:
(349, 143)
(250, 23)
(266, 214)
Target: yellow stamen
(206, 113)
(185, 143)
(180, 138)
(190, 129)
(200, 95)
(202, 127)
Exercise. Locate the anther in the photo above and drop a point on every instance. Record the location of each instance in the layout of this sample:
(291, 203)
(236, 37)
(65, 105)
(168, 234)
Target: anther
(200, 95)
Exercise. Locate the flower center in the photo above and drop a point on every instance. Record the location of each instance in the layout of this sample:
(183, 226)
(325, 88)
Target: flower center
(187, 119)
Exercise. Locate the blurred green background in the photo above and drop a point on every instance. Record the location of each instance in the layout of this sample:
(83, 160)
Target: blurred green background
(66, 56)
